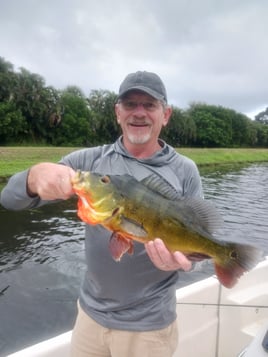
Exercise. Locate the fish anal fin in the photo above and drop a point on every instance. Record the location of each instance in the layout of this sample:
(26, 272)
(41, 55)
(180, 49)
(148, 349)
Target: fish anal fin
(119, 245)
(197, 257)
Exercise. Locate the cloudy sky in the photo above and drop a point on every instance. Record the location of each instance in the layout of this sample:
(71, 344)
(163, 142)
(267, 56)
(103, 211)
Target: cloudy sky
(209, 51)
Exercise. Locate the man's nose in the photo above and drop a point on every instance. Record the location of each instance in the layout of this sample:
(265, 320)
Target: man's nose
(140, 110)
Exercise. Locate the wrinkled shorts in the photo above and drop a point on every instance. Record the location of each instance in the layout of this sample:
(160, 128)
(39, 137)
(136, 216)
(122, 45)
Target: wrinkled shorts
(89, 339)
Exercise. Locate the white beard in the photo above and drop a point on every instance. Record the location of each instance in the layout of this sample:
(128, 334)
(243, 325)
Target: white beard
(139, 139)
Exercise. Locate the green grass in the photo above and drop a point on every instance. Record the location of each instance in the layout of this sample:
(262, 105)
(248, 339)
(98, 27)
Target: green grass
(225, 156)
(14, 159)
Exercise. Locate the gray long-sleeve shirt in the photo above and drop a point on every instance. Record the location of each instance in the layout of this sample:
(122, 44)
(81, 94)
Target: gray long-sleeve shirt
(131, 294)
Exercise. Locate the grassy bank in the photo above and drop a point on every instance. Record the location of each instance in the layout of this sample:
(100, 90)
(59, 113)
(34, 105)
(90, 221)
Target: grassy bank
(14, 159)
(225, 156)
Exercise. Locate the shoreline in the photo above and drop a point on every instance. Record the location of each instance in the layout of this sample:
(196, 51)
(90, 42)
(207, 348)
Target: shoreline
(15, 159)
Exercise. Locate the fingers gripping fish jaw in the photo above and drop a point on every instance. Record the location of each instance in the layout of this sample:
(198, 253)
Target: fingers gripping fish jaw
(93, 207)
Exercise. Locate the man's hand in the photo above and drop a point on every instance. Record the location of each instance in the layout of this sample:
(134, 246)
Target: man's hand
(50, 181)
(163, 259)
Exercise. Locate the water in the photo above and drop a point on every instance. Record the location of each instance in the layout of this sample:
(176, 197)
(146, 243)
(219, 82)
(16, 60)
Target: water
(42, 261)
(41, 265)
(242, 198)
(240, 194)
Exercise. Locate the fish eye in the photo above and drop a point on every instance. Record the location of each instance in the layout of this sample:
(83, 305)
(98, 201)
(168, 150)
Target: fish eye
(234, 254)
(105, 179)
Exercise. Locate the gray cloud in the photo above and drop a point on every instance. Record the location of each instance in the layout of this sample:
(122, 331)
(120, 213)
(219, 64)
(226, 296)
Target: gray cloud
(213, 52)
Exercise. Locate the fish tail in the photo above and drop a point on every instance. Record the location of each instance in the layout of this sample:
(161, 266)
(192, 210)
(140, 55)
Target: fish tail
(240, 259)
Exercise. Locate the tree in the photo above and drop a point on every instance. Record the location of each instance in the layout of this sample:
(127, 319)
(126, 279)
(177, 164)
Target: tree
(12, 124)
(262, 117)
(181, 129)
(262, 134)
(213, 126)
(75, 125)
(101, 105)
(5, 66)
(29, 94)
(7, 80)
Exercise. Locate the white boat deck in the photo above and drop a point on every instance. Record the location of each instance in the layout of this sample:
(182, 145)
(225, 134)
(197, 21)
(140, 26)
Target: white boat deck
(219, 322)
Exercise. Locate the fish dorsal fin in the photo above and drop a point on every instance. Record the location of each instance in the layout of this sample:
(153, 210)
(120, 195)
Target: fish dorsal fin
(160, 186)
(196, 211)
(201, 214)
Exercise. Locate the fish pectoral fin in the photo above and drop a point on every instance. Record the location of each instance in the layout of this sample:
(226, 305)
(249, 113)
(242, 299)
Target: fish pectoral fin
(119, 245)
(132, 227)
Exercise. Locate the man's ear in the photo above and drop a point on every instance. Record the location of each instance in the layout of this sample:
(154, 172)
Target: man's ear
(167, 115)
(117, 113)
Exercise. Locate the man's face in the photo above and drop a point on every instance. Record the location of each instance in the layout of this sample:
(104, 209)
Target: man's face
(141, 117)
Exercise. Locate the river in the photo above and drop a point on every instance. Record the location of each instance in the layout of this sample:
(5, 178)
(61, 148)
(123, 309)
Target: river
(42, 258)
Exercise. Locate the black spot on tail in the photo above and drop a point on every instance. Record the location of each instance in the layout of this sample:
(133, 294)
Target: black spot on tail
(242, 258)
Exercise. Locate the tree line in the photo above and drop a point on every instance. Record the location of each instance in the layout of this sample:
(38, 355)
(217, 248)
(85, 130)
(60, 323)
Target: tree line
(33, 113)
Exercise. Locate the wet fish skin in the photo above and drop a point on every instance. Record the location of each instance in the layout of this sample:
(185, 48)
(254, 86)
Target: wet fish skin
(142, 211)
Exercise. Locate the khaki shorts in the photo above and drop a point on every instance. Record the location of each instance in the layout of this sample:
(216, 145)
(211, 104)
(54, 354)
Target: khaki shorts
(89, 339)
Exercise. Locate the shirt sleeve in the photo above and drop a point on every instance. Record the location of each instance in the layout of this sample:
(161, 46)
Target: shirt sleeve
(14, 195)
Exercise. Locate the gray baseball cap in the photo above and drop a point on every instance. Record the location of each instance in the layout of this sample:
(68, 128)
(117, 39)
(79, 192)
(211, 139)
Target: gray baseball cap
(147, 82)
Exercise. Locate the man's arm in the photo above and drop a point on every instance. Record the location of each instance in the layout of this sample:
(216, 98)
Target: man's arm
(33, 187)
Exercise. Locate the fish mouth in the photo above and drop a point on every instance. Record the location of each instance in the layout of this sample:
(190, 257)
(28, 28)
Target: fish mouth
(81, 178)
(78, 177)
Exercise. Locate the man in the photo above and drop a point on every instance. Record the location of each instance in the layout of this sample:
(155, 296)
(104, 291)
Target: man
(125, 309)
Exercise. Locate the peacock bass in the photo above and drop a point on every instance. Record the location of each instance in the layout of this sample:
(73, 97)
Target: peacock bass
(144, 210)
